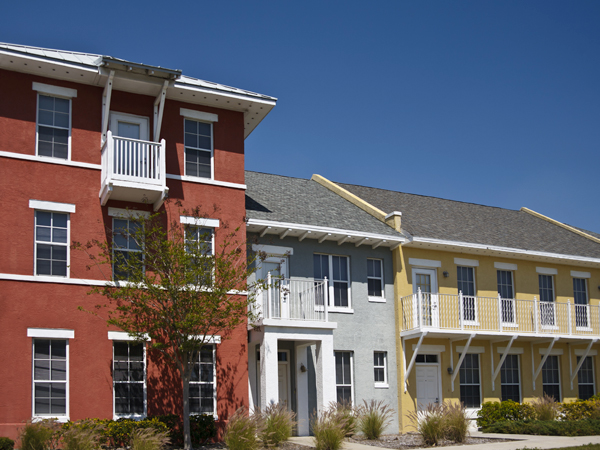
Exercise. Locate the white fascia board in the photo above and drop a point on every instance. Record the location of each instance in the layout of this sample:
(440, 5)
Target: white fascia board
(273, 249)
(127, 213)
(317, 229)
(232, 95)
(493, 248)
(199, 221)
(578, 274)
(52, 206)
(50, 333)
(123, 336)
(424, 262)
(546, 270)
(505, 266)
(54, 90)
(198, 115)
(466, 262)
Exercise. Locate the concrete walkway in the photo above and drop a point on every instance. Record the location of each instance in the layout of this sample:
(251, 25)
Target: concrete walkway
(520, 441)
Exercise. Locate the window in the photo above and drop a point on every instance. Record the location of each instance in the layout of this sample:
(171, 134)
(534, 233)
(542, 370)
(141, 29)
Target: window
(339, 280)
(50, 377)
(509, 378)
(200, 238)
(343, 376)
(470, 388)
(580, 298)
(203, 399)
(507, 294)
(53, 126)
(546, 283)
(51, 243)
(129, 378)
(585, 378)
(198, 148)
(551, 377)
(375, 278)
(466, 285)
(380, 368)
(127, 252)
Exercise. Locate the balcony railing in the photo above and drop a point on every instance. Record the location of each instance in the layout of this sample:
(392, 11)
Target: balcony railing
(293, 299)
(133, 169)
(494, 314)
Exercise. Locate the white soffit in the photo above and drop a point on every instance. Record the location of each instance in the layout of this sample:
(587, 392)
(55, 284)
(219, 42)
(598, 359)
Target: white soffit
(424, 262)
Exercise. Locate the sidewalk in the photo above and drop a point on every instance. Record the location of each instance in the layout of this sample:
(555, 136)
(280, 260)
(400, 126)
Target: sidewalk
(520, 441)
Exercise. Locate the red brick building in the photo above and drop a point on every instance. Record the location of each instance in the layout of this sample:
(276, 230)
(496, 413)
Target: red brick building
(83, 139)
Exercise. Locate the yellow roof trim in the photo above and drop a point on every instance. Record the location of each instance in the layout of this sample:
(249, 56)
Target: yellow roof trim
(560, 224)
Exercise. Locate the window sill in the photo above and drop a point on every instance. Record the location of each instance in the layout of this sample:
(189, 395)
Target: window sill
(341, 310)
(215, 415)
(59, 419)
(130, 416)
(382, 386)
(377, 299)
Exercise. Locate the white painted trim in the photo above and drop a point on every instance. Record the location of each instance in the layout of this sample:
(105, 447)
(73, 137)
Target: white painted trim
(50, 333)
(424, 262)
(198, 115)
(273, 249)
(429, 348)
(581, 352)
(578, 274)
(546, 271)
(206, 181)
(57, 91)
(392, 214)
(123, 336)
(512, 350)
(553, 352)
(505, 266)
(377, 299)
(466, 262)
(127, 213)
(340, 309)
(199, 221)
(471, 349)
(52, 206)
(48, 159)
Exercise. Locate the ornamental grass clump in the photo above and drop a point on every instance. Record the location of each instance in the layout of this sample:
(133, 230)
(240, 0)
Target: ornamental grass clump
(84, 435)
(278, 424)
(374, 418)
(328, 430)
(430, 423)
(347, 414)
(42, 435)
(457, 422)
(149, 439)
(545, 408)
(244, 430)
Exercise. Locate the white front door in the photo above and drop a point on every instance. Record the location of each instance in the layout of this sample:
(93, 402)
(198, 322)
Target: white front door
(427, 385)
(129, 126)
(284, 378)
(426, 281)
(277, 267)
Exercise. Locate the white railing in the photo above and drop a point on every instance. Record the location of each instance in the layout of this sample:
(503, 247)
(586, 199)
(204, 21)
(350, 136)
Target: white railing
(294, 299)
(133, 160)
(494, 314)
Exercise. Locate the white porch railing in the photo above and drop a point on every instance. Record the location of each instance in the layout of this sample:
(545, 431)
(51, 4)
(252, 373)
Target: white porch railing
(294, 299)
(494, 314)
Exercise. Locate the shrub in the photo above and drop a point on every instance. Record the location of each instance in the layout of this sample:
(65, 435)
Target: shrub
(492, 412)
(6, 443)
(83, 436)
(347, 414)
(580, 409)
(278, 424)
(243, 430)
(429, 423)
(149, 439)
(42, 435)
(202, 427)
(374, 418)
(457, 423)
(587, 427)
(545, 408)
(328, 430)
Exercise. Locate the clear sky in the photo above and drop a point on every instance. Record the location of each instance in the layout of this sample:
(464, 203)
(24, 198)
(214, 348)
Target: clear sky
(490, 102)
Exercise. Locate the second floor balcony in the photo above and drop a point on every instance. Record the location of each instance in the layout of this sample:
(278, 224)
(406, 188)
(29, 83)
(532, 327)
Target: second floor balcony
(133, 170)
(424, 311)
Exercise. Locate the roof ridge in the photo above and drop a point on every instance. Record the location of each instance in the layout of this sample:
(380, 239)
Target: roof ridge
(277, 175)
(561, 224)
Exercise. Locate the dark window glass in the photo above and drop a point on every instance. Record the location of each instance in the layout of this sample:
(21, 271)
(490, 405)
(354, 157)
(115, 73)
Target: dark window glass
(53, 127)
(374, 278)
(50, 376)
(343, 376)
(585, 378)
(128, 377)
(466, 285)
(202, 383)
(551, 377)
(509, 378)
(470, 389)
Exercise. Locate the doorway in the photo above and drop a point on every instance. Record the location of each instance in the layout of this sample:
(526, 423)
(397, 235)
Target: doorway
(285, 388)
(428, 381)
(426, 281)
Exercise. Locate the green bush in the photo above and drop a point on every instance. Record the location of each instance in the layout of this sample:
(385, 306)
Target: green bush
(580, 409)
(457, 423)
(278, 424)
(42, 435)
(6, 443)
(329, 429)
(347, 414)
(243, 431)
(86, 435)
(202, 428)
(587, 427)
(149, 439)
(374, 418)
(429, 423)
(492, 412)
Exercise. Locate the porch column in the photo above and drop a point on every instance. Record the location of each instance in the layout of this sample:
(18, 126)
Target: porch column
(303, 414)
(269, 371)
(253, 394)
(325, 366)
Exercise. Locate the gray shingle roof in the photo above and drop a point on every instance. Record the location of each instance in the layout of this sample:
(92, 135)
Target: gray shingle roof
(300, 201)
(436, 218)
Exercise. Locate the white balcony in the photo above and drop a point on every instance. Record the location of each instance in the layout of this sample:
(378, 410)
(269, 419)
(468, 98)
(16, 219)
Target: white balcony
(294, 300)
(494, 315)
(133, 170)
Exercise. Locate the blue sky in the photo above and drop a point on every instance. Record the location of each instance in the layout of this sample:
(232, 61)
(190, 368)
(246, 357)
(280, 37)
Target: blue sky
(490, 102)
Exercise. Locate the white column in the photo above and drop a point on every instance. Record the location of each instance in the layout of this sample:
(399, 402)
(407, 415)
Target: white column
(269, 372)
(325, 372)
(252, 377)
(303, 416)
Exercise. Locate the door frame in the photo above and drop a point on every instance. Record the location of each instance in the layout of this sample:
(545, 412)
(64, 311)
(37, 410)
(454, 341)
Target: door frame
(288, 374)
(142, 121)
(439, 373)
(435, 318)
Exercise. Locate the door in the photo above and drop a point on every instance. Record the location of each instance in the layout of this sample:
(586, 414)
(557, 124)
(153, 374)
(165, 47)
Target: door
(277, 267)
(131, 156)
(284, 378)
(426, 281)
(428, 383)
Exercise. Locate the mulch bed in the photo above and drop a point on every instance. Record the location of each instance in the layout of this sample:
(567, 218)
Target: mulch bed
(414, 440)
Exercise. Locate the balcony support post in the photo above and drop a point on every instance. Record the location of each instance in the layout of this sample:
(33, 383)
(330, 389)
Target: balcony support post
(326, 299)
(536, 311)
(569, 319)
(544, 358)
(413, 359)
(420, 306)
(159, 108)
(106, 95)
(456, 370)
(499, 315)
(461, 308)
(268, 307)
(504, 355)
(581, 360)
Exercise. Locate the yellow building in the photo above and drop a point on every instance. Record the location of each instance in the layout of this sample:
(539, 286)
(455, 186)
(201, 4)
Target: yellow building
(491, 304)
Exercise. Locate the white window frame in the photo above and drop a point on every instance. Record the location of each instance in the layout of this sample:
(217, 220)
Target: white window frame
(351, 384)
(330, 281)
(210, 119)
(381, 384)
(518, 376)
(380, 298)
(471, 408)
(57, 92)
(128, 340)
(214, 382)
(475, 321)
(593, 383)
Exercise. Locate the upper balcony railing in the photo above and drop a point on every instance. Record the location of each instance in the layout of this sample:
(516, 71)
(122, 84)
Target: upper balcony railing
(293, 299)
(133, 170)
(424, 311)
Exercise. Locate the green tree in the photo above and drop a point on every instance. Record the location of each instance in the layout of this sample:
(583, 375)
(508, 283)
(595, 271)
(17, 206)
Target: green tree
(173, 284)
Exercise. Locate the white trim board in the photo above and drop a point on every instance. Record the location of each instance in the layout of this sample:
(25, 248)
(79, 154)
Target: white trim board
(198, 115)
(553, 352)
(581, 352)
(505, 266)
(430, 348)
(51, 333)
(512, 350)
(123, 336)
(52, 206)
(546, 271)
(578, 274)
(57, 91)
(49, 160)
(273, 249)
(199, 221)
(127, 213)
(466, 262)
(424, 262)
(472, 349)
(206, 181)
